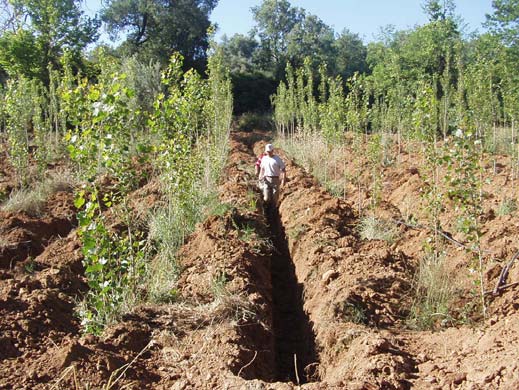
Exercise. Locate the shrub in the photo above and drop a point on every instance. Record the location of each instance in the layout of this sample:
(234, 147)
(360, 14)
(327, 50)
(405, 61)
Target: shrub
(507, 206)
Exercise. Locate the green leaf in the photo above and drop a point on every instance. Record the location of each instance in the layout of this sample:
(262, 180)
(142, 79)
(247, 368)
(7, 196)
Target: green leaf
(79, 201)
(94, 268)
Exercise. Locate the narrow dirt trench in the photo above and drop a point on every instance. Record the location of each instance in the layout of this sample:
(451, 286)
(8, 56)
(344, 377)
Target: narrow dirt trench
(295, 351)
(295, 357)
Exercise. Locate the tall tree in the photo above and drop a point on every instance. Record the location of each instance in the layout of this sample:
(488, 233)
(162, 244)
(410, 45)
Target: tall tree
(157, 28)
(504, 21)
(7, 16)
(439, 10)
(240, 53)
(351, 54)
(311, 38)
(275, 20)
(45, 29)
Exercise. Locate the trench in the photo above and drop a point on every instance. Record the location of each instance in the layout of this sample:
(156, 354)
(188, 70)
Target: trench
(292, 348)
(296, 359)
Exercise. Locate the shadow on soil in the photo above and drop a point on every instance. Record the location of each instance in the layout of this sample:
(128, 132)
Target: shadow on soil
(294, 337)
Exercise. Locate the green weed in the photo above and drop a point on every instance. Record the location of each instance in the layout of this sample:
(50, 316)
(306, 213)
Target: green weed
(252, 201)
(297, 232)
(247, 233)
(29, 266)
(219, 284)
(352, 312)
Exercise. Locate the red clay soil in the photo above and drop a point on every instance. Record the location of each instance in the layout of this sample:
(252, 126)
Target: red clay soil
(265, 301)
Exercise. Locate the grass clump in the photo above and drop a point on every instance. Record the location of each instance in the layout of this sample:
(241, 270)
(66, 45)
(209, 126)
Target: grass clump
(226, 304)
(507, 206)
(3, 242)
(167, 234)
(433, 294)
(32, 200)
(352, 312)
(162, 287)
(372, 228)
(335, 189)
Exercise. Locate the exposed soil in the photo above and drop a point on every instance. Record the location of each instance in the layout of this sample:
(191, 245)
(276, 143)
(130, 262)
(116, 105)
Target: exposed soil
(294, 337)
(266, 300)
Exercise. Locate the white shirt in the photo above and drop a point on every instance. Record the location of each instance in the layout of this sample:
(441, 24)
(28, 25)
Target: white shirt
(272, 166)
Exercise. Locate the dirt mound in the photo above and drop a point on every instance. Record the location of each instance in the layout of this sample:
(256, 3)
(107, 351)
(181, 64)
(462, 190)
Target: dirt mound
(37, 311)
(25, 236)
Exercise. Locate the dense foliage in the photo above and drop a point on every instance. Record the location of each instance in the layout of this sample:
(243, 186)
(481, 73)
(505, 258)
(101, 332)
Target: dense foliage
(282, 34)
(156, 29)
(118, 118)
(40, 32)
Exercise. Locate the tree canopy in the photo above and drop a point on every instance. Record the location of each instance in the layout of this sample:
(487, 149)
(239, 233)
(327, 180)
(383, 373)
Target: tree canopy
(504, 22)
(156, 28)
(38, 32)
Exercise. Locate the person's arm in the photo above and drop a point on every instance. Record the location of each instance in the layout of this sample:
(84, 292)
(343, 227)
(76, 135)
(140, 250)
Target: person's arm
(261, 171)
(257, 166)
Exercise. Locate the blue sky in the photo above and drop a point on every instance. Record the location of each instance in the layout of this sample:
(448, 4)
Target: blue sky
(364, 17)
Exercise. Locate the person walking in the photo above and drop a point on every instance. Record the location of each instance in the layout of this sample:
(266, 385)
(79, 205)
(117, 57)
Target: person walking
(272, 174)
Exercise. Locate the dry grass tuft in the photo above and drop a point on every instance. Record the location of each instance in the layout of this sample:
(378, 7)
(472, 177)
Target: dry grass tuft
(32, 200)
(162, 278)
(507, 206)
(434, 291)
(372, 228)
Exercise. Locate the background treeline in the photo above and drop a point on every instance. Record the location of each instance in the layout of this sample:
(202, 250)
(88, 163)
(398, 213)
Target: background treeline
(34, 33)
(440, 48)
(428, 80)
(283, 33)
